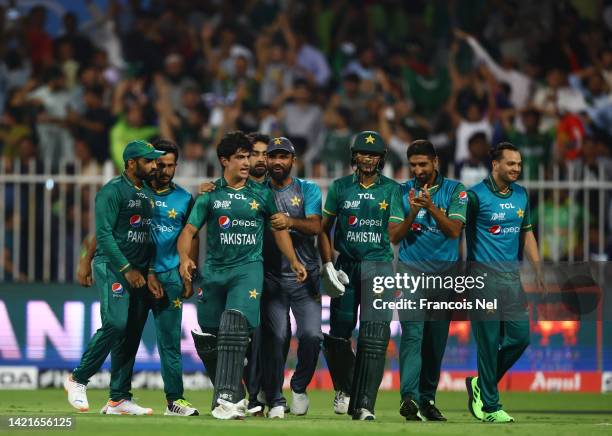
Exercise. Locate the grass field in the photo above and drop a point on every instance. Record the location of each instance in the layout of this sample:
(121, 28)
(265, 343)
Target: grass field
(553, 413)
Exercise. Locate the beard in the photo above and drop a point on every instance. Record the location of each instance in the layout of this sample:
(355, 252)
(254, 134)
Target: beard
(257, 171)
(281, 175)
(142, 174)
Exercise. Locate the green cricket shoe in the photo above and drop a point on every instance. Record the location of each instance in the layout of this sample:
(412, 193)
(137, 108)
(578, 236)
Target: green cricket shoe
(498, 417)
(474, 401)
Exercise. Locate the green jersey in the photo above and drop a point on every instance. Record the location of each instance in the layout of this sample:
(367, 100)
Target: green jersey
(123, 220)
(362, 215)
(236, 219)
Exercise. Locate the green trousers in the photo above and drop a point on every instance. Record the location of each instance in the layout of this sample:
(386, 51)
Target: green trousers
(124, 312)
(343, 310)
(423, 341)
(502, 335)
(421, 351)
(168, 314)
(237, 288)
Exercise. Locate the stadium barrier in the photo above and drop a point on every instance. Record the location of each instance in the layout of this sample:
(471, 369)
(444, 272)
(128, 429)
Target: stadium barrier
(45, 215)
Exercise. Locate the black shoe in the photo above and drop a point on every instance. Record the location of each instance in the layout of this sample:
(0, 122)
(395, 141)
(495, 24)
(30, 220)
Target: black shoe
(430, 412)
(410, 410)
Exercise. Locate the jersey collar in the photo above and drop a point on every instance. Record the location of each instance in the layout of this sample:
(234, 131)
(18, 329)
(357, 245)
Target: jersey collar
(490, 183)
(222, 183)
(269, 185)
(171, 187)
(437, 183)
(378, 180)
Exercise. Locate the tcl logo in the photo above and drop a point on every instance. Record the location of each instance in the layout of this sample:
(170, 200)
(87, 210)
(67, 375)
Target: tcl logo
(498, 230)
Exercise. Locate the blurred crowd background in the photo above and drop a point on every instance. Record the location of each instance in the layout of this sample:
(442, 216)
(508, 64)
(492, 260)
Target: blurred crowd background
(466, 74)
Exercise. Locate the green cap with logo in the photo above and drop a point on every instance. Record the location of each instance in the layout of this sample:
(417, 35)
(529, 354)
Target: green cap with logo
(140, 148)
(368, 141)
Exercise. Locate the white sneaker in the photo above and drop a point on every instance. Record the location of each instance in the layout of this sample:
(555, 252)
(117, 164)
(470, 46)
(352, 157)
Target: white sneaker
(181, 407)
(364, 415)
(127, 407)
(277, 412)
(341, 403)
(228, 410)
(104, 409)
(300, 403)
(77, 394)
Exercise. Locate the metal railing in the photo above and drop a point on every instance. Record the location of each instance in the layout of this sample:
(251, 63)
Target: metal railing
(45, 215)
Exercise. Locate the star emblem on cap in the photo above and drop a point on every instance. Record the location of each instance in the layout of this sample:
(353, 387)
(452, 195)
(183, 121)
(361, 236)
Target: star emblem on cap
(177, 303)
(369, 139)
(520, 213)
(383, 205)
(253, 293)
(295, 201)
(277, 141)
(172, 213)
(254, 205)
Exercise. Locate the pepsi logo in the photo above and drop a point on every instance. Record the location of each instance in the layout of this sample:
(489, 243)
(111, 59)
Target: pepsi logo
(353, 221)
(117, 288)
(416, 228)
(135, 220)
(225, 222)
(463, 195)
(200, 292)
(495, 230)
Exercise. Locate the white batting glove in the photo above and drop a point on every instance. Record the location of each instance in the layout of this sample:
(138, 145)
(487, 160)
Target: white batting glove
(332, 286)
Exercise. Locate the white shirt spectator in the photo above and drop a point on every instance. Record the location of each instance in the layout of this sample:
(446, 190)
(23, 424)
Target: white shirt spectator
(465, 130)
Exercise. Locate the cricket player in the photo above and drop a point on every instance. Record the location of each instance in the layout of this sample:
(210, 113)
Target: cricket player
(125, 251)
(361, 206)
(172, 207)
(498, 225)
(228, 308)
(258, 173)
(300, 203)
(435, 209)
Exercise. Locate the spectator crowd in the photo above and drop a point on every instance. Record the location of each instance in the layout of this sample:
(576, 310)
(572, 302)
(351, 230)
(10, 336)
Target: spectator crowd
(466, 74)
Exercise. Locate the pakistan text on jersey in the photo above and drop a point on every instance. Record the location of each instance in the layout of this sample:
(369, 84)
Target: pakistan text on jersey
(138, 237)
(365, 237)
(237, 238)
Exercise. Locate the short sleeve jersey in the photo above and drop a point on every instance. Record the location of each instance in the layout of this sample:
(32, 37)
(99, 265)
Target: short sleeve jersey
(362, 215)
(235, 219)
